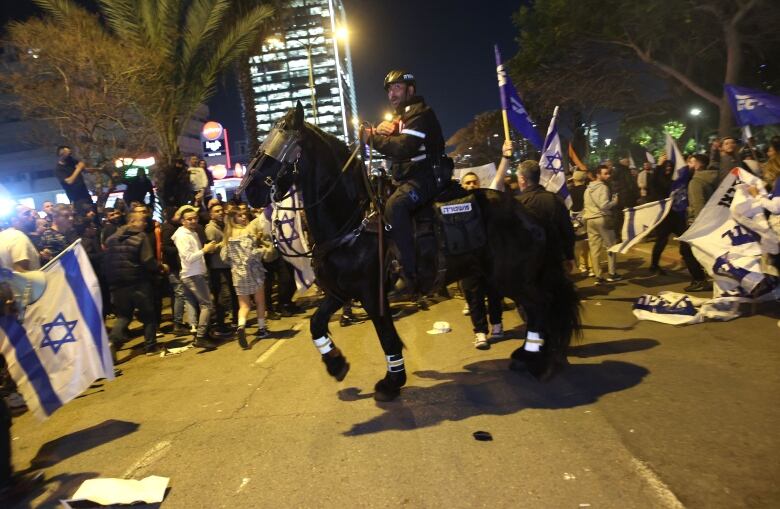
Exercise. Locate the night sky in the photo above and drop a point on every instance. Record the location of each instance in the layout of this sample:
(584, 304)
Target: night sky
(447, 44)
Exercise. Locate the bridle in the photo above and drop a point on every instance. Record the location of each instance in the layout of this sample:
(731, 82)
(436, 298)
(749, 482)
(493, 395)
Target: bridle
(283, 147)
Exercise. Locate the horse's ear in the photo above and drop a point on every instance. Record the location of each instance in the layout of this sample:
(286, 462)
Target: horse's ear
(298, 118)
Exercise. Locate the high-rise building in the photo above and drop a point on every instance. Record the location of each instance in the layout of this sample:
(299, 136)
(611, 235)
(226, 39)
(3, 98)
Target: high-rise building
(307, 60)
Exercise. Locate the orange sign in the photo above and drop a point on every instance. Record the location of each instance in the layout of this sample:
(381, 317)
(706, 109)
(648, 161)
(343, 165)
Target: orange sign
(212, 130)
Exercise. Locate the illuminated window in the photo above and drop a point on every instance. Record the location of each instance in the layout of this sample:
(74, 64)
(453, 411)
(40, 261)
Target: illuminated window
(27, 202)
(61, 198)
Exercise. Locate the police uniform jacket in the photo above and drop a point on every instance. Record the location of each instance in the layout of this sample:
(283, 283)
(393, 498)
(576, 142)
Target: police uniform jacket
(418, 143)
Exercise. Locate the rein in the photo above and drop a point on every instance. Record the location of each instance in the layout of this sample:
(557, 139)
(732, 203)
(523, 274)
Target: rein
(341, 236)
(343, 171)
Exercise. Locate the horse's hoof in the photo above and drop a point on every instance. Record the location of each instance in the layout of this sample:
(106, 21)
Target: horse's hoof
(337, 366)
(389, 388)
(538, 364)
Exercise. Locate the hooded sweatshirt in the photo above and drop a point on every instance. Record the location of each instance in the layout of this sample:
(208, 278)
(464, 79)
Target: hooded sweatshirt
(598, 202)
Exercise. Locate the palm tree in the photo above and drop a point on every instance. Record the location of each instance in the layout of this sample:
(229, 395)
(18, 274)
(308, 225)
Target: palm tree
(191, 42)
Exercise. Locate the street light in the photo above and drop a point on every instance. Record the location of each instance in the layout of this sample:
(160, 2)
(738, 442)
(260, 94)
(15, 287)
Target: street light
(388, 117)
(695, 113)
(342, 33)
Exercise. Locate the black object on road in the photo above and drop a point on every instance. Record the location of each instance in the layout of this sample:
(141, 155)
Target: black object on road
(483, 436)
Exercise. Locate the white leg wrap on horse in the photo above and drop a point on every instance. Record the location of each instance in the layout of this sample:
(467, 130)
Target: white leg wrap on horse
(395, 363)
(533, 342)
(324, 344)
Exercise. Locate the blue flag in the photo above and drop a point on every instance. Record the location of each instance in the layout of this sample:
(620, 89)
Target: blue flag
(552, 177)
(680, 177)
(511, 103)
(60, 346)
(753, 107)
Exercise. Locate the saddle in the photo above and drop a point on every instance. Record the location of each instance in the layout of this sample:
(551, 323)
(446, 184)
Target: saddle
(451, 225)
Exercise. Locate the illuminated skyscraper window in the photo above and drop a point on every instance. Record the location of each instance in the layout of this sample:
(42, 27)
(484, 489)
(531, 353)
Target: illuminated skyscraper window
(306, 61)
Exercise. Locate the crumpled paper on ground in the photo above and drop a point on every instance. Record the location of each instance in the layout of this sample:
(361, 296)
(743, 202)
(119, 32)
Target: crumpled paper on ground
(107, 491)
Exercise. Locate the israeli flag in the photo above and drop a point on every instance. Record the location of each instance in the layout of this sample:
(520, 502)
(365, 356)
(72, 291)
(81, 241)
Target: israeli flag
(680, 177)
(287, 227)
(729, 237)
(511, 103)
(61, 346)
(639, 221)
(753, 107)
(552, 177)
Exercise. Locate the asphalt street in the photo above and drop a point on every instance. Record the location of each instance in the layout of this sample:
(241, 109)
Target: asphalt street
(646, 416)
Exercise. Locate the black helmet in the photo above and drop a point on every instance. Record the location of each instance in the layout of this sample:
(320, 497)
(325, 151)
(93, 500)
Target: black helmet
(399, 76)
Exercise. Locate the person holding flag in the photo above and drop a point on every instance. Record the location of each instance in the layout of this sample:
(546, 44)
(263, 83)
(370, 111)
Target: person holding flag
(549, 209)
(552, 175)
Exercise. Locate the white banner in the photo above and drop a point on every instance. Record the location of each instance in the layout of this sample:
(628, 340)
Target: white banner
(730, 235)
(486, 172)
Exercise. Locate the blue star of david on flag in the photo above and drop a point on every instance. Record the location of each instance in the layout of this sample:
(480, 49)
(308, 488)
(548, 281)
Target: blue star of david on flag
(58, 323)
(554, 162)
(289, 221)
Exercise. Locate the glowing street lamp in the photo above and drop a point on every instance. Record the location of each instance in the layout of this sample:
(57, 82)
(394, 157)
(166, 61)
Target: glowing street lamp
(695, 113)
(342, 33)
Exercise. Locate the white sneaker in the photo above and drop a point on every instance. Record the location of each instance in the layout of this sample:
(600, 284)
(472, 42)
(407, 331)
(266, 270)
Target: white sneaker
(466, 310)
(481, 341)
(497, 331)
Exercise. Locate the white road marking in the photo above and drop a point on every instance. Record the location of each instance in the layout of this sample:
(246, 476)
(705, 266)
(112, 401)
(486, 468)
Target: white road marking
(660, 488)
(269, 352)
(244, 482)
(152, 455)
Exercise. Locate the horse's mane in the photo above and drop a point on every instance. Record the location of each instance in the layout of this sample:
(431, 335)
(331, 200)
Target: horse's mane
(341, 152)
(336, 144)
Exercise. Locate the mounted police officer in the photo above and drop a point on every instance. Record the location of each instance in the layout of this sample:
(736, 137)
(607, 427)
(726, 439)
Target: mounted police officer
(414, 143)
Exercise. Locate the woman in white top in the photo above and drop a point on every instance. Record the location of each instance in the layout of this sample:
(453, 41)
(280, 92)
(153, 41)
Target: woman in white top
(244, 252)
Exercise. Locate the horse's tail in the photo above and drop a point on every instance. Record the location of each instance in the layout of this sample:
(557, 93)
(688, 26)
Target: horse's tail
(562, 317)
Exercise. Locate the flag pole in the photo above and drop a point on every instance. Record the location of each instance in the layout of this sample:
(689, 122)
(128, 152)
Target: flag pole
(506, 124)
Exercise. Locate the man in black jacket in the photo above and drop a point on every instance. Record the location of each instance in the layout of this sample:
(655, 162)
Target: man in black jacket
(414, 143)
(130, 265)
(549, 210)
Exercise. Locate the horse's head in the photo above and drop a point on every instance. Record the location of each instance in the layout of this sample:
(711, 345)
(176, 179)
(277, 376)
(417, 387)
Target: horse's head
(273, 166)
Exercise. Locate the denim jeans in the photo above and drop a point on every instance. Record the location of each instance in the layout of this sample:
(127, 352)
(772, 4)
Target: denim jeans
(179, 303)
(196, 291)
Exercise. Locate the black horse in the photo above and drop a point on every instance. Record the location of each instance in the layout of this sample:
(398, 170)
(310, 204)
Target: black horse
(517, 259)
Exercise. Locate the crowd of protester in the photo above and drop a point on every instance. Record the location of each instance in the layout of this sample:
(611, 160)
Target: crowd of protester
(207, 260)
(210, 261)
(599, 196)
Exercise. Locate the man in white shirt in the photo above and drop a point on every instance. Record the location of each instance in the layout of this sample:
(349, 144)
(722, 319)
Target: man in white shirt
(193, 271)
(17, 252)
